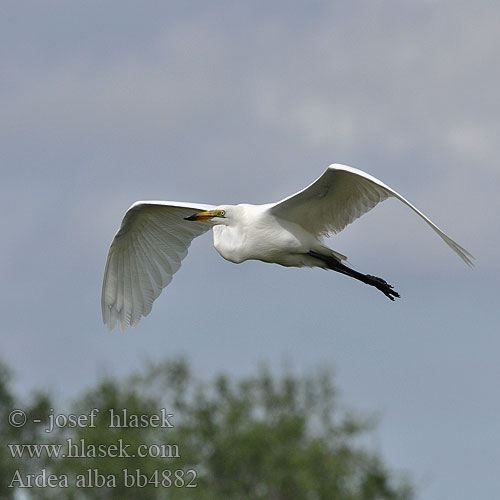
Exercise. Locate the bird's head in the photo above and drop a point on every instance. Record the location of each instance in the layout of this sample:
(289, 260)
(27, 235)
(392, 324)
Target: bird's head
(219, 215)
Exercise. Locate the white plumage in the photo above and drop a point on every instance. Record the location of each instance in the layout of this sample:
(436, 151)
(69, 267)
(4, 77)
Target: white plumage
(155, 236)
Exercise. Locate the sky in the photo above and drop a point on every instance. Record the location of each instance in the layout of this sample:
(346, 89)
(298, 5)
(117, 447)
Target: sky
(106, 103)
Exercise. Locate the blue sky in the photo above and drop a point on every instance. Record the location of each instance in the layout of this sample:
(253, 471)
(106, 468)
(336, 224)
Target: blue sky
(107, 103)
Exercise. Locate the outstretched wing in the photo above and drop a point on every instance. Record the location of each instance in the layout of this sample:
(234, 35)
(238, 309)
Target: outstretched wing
(145, 253)
(339, 197)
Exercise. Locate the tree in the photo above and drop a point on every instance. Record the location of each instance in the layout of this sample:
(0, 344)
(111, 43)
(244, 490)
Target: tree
(261, 437)
(12, 435)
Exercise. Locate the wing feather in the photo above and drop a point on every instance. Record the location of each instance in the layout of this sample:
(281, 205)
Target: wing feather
(150, 269)
(342, 195)
(145, 253)
(137, 291)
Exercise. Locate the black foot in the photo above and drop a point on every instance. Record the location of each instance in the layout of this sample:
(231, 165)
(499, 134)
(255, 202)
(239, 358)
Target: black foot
(383, 286)
(336, 265)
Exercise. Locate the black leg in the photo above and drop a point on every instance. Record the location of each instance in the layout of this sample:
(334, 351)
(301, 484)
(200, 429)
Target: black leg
(378, 283)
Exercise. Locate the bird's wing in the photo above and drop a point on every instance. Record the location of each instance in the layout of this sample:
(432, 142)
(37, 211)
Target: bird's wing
(145, 253)
(339, 197)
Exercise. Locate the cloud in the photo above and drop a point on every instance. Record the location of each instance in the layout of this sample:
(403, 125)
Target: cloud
(404, 93)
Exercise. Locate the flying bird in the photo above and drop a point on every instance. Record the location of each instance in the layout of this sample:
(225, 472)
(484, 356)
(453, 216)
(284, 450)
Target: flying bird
(154, 237)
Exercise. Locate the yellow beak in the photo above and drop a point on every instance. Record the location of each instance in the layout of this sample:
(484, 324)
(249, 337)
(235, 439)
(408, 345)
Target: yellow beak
(201, 216)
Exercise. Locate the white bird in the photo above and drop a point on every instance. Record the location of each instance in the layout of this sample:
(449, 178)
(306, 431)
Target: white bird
(154, 237)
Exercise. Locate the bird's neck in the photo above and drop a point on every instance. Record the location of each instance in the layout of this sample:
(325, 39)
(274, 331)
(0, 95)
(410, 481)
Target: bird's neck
(229, 242)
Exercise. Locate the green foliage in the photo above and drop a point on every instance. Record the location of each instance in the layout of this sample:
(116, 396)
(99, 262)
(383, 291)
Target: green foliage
(37, 407)
(258, 438)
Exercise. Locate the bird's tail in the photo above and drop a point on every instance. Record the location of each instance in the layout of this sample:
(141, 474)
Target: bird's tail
(335, 265)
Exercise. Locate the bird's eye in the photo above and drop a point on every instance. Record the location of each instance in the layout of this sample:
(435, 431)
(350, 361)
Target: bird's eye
(222, 213)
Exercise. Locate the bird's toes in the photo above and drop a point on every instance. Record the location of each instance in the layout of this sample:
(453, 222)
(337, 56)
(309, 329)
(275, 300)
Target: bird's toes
(384, 287)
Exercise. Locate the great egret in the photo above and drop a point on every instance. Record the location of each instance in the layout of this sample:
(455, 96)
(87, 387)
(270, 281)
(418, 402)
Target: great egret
(154, 237)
